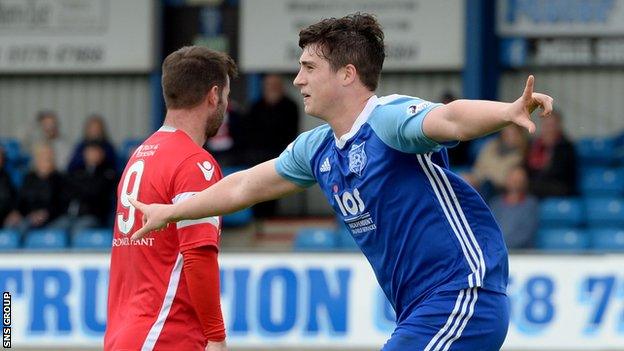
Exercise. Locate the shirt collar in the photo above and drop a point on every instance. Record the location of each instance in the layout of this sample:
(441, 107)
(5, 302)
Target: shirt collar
(373, 101)
(166, 128)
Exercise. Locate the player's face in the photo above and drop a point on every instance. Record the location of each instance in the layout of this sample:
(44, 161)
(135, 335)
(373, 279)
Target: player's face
(317, 82)
(216, 117)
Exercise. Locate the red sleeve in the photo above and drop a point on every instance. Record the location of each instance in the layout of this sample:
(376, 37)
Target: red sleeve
(195, 174)
(201, 270)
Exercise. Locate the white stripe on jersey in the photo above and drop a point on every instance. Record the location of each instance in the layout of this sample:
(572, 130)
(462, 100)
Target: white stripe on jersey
(473, 239)
(467, 250)
(189, 222)
(172, 288)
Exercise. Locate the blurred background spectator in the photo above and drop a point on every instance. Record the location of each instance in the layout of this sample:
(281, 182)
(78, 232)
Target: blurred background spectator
(88, 191)
(517, 211)
(94, 131)
(496, 159)
(48, 130)
(7, 191)
(271, 124)
(551, 160)
(40, 197)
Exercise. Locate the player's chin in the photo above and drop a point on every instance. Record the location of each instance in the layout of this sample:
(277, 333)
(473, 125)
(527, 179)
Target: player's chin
(309, 110)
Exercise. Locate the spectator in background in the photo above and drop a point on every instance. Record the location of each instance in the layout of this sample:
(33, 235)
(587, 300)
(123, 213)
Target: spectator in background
(496, 159)
(7, 191)
(88, 191)
(551, 161)
(94, 130)
(40, 197)
(275, 115)
(272, 122)
(516, 211)
(48, 131)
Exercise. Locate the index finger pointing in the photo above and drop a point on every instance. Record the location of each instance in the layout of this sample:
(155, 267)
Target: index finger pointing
(139, 233)
(137, 204)
(528, 89)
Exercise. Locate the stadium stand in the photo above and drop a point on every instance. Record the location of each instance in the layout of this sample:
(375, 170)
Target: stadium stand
(561, 212)
(563, 240)
(9, 240)
(607, 212)
(315, 239)
(46, 239)
(93, 239)
(607, 240)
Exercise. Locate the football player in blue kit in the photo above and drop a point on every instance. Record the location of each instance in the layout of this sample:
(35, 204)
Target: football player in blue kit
(432, 242)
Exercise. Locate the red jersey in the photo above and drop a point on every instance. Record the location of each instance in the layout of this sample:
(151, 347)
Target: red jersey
(149, 306)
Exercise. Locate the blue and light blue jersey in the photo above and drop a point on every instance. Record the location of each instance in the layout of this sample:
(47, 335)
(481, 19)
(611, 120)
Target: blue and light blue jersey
(421, 227)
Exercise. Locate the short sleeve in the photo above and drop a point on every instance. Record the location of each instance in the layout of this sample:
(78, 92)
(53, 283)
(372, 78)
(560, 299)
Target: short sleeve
(193, 175)
(400, 125)
(294, 164)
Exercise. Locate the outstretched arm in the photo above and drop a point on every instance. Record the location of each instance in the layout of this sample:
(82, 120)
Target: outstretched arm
(232, 193)
(469, 119)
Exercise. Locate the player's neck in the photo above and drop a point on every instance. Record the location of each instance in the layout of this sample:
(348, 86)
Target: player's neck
(188, 121)
(344, 115)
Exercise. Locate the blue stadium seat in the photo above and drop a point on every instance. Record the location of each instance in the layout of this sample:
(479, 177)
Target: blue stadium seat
(16, 160)
(46, 239)
(561, 212)
(562, 239)
(12, 148)
(315, 239)
(619, 148)
(611, 239)
(238, 219)
(602, 182)
(596, 151)
(344, 240)
(605, 212)
(9, 239)
(93, 239)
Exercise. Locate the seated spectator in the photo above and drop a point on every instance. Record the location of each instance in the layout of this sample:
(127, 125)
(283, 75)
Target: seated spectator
(7, 191)
(48, 131)
(516, 211)
(94, 130)
(496, 159)
(88, 191)
(551, 161)
(39, 200)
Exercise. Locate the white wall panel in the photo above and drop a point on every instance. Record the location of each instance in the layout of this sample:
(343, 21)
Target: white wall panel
(429, 86)
(123, 100)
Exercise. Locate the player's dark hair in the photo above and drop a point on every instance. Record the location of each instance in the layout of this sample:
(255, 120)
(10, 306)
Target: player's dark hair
(355, 39)
(189, 73)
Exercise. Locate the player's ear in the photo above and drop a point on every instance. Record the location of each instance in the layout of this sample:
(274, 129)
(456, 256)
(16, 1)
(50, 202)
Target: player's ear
(348, 74)
(213, 96)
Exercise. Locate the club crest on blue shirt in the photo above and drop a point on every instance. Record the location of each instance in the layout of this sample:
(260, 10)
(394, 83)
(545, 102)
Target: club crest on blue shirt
(357, 159)
(414, 109)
